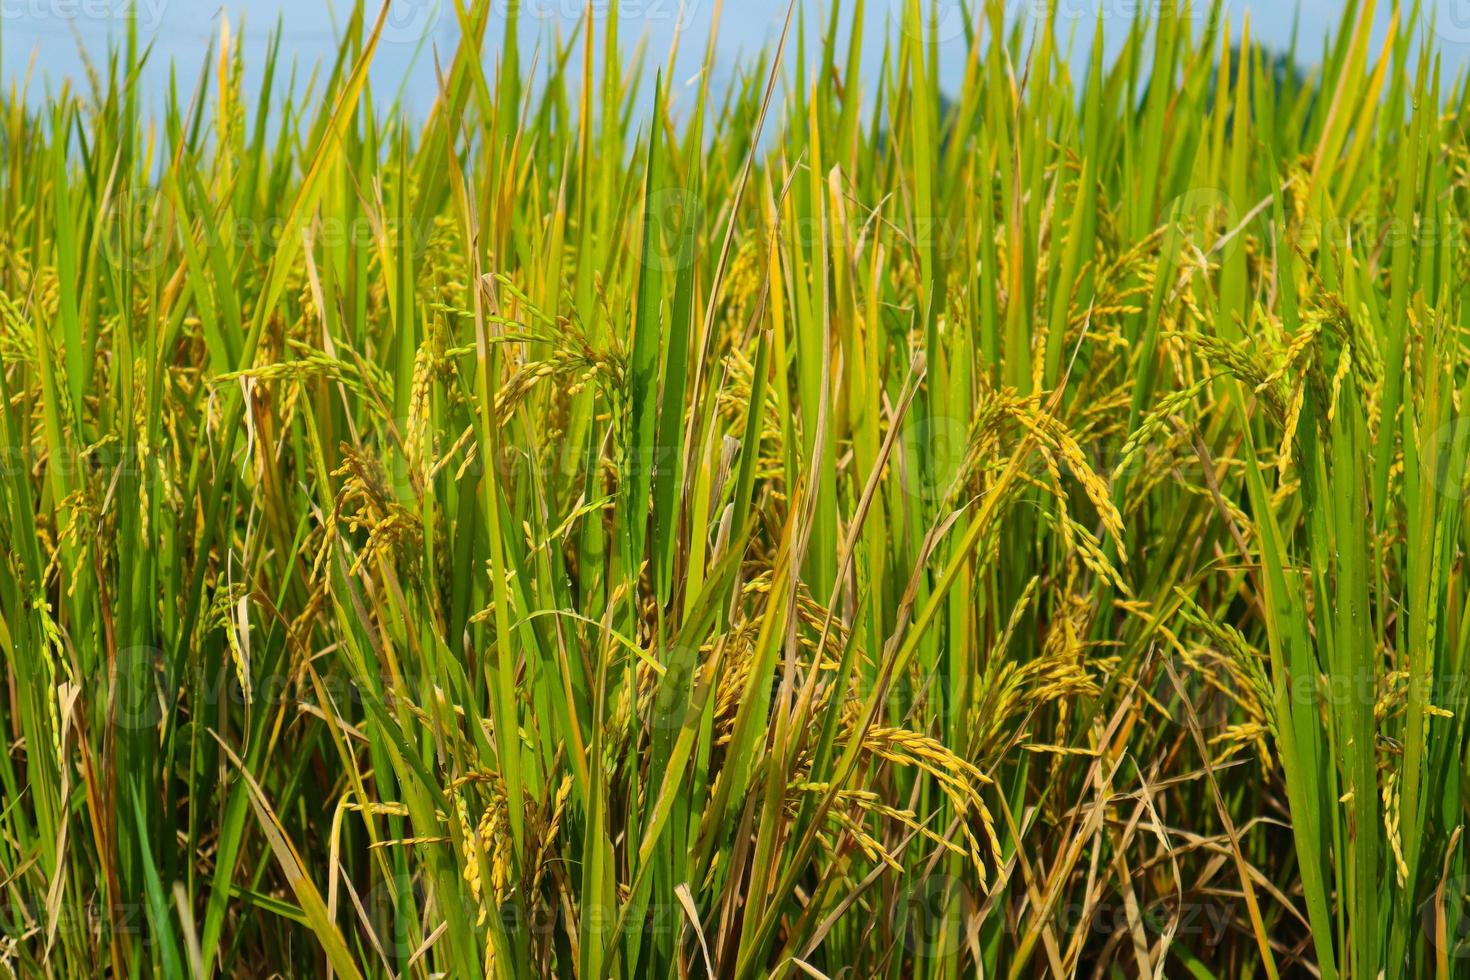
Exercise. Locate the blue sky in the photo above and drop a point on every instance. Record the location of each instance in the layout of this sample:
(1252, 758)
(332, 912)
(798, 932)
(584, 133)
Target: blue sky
(50, 30)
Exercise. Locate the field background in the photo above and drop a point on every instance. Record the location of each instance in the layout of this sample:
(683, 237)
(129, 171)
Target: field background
(52, 29)
(970, 496)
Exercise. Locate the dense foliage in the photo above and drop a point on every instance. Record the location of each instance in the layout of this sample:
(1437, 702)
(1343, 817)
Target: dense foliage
(813, 526)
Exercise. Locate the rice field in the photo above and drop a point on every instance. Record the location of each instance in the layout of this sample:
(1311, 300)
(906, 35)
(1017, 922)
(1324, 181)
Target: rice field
(824, 524)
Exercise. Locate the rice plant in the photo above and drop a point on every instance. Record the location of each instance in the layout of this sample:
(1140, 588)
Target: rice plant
(823, 524)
